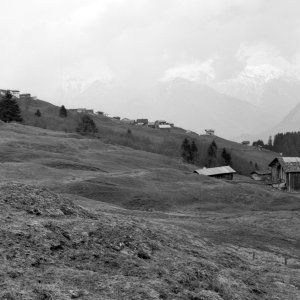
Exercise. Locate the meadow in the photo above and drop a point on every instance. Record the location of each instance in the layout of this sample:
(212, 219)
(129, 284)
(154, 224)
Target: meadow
(84, 218)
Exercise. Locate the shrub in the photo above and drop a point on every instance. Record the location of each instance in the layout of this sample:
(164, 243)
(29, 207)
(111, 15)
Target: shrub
(87, 125)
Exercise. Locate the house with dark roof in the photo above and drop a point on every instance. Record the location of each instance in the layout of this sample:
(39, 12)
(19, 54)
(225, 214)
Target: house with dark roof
(286, 170)
(142, 122)
(14, 93)
(225, 172)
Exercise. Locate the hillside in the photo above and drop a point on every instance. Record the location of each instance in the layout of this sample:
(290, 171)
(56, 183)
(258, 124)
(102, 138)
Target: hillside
(148, 139)
(204, 106)
(84, 219)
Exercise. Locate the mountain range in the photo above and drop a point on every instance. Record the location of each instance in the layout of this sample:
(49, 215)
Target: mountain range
(253, 105)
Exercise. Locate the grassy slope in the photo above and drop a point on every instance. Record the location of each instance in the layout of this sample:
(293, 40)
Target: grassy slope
(157, 230)
(163, 142)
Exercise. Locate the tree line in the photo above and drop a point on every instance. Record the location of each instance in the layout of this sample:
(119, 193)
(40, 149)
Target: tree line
(286, 143)
(190, 154)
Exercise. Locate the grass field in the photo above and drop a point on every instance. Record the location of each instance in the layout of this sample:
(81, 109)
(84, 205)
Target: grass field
(82, 218)
(142, 138)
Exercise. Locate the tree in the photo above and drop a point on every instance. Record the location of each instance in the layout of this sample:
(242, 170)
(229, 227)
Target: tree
(258, 143)
(186, 150)
(270, 143)
(226, 157)
(38, 113)
(9, 109)
(194, 152)
(212, 154)
(87, 125)
(63, 112)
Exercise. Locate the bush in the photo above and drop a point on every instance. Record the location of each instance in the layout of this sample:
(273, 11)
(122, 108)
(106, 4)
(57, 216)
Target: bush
(87, 125)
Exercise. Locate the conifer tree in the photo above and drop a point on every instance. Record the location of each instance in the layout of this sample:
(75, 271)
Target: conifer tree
(212, 155)
(87, 125)
(38, 113)
(63, 112)
(194, 152)
(9, 109)
(226, 157)
(186, 150)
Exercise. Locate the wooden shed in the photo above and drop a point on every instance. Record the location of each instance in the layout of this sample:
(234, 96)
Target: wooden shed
(225, 172)
(286, 170)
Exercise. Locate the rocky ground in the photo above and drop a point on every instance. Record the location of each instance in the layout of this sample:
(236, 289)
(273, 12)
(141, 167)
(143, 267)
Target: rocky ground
(52, 248)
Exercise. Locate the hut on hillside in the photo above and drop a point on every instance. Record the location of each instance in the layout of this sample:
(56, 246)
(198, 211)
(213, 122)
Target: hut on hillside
(128, 121)
(142, 122)
(264, 175)
(209, 131)
(286, 170)
(225, 172)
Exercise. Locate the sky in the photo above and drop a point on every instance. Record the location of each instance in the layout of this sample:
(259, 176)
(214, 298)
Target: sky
(137, 43)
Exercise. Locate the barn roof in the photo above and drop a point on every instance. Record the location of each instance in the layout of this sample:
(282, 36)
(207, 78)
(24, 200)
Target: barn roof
(289, 164)
(215, 171)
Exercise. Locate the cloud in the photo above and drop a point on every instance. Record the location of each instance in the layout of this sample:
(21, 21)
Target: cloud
(139, 42)
(198, 71)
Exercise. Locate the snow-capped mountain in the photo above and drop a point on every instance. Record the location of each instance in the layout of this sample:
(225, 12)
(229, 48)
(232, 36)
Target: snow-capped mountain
(270, 88)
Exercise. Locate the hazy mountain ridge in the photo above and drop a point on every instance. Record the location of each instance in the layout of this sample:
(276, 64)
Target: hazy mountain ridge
(270, 88)
(190, 105)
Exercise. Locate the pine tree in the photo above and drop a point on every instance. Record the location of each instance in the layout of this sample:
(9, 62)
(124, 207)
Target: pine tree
(212, 155)
(194, 152)
(38, 113)
(87, 125)
(270, 143)
(63, 112)
(226, 157)
(9, 109)
(186, 150)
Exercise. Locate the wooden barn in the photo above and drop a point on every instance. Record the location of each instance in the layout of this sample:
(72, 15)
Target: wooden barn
(286, 170)
(261, 175)
(225, 172)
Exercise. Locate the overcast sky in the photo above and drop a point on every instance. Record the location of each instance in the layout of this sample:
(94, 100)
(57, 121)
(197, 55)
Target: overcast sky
(45, 43)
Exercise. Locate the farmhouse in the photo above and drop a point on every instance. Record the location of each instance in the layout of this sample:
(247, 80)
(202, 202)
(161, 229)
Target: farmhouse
(225, 172)
(128, 121)
(261, 175)
(15, 93)
(164, 126)
(142, 122)
(151, 124)
(286, 170)
(83, 110)
(209, 131)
